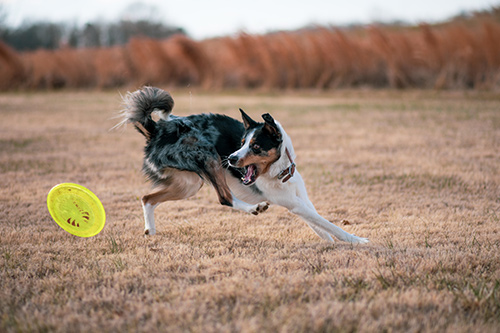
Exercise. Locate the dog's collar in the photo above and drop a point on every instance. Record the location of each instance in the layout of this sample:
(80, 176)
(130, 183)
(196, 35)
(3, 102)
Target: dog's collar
(287, 173)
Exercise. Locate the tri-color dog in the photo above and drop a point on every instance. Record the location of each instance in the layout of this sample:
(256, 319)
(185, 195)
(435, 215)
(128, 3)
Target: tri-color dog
(250, 164)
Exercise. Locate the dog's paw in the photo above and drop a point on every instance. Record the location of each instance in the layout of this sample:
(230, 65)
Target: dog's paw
(259, 208)
(149, 232)
(357, 240)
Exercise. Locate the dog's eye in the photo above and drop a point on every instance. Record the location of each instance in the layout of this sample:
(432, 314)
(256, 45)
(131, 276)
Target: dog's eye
(256, 149)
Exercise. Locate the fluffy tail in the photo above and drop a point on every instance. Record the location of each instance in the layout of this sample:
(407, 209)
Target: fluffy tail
(140, 104)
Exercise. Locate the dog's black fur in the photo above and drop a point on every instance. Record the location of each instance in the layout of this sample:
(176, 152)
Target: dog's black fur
(187, 143)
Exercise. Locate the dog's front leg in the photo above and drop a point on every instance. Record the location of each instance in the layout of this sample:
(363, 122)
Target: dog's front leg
(252, 209)
(326, 236)
(216, 175)
(311, 216)
(297, 202)
(293, 196)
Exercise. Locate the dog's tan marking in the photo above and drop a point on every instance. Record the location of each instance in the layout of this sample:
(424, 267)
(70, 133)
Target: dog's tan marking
(263, 162)
(176, 186)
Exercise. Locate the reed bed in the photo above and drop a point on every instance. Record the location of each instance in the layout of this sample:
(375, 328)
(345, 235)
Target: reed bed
(452, 56)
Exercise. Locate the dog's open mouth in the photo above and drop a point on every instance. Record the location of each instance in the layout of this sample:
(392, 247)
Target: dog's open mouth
(251, 175)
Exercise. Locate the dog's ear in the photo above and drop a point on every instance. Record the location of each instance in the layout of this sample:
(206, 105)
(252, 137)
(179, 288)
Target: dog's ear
(271, 127)
(247, 121)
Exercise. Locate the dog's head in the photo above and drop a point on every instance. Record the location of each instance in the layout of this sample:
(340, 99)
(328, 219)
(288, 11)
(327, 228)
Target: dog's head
(260, 147)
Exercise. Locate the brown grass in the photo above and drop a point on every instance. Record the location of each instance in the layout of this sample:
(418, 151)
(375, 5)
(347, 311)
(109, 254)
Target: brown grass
(11, 68)
(415, 172)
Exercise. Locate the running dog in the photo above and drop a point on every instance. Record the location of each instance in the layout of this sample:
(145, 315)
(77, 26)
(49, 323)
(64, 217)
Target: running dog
(249, 164)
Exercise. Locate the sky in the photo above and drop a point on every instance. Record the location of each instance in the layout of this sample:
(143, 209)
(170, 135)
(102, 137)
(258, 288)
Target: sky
(205, 19)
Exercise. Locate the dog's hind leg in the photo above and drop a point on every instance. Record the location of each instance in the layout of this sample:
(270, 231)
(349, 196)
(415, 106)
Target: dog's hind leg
(176, 186)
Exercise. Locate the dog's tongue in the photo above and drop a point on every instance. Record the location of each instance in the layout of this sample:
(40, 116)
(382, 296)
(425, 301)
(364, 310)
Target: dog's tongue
(249, 175)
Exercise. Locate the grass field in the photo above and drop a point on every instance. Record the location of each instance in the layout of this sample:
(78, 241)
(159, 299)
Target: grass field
(416, 172)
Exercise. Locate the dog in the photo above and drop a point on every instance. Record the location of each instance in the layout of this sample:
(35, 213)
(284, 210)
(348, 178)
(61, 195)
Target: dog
(250, 164)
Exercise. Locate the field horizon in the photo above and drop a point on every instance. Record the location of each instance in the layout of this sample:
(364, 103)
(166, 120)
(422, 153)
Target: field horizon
(415, 171)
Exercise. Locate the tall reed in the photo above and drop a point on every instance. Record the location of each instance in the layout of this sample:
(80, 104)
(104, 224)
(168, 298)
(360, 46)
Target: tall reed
(447, 56)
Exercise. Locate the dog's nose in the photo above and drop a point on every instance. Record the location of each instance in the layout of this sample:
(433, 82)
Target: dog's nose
(233, 159)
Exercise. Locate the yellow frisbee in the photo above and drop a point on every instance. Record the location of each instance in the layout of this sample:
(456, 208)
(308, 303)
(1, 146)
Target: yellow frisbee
(76, 209)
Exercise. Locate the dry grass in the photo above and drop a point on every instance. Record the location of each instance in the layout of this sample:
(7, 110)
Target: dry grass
(416, 172)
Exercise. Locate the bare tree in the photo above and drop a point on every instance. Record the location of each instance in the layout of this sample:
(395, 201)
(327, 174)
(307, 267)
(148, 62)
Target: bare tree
(138, 19)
